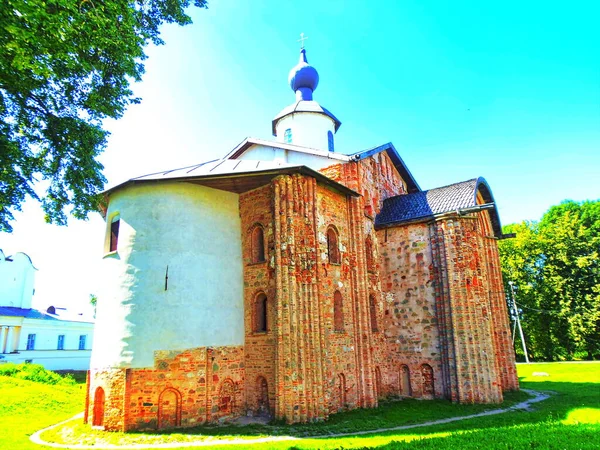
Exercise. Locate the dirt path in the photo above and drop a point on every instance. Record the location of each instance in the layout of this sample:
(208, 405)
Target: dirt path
(526, 405)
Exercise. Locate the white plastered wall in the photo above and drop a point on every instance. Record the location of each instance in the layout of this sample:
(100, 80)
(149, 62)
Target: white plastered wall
(196, 232)
(264, 153)
(16, 281)
(308, 129)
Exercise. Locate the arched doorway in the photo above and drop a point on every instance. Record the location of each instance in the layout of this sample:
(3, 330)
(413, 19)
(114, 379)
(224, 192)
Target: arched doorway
(405, 388)
(169, 409)
(340, 391)
(428, 383)
(99, 401)
(262, 400)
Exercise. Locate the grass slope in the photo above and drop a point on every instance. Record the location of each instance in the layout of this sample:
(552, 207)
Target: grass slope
(570, 419)
(27, 406)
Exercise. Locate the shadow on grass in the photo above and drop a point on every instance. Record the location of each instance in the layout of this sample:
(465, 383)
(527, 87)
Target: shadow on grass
(565, 398)
(391, 413)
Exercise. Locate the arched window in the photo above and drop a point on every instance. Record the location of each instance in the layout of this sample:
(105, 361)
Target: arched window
(287, 136)
(260, 313)
(338, 312)
(169, 409)
(369, 252)
(99, 400)
(330, 141)
(428, 386)
(258, 244)
(373, 312)
(333, 247)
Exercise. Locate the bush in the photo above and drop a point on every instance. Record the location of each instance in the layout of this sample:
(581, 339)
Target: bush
(36, 373)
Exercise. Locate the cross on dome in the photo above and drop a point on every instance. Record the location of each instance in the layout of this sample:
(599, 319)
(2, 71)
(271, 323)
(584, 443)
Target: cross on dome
(301, 40)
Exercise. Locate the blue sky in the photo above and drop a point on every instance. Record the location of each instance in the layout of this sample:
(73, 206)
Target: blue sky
(509, 91)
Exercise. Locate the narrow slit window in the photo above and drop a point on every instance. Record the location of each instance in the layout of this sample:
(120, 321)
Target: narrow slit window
(287, 136)
(114, 234)
(61, 342)
(260, 314)
(330, 141)
(333, 248)
(258, 244)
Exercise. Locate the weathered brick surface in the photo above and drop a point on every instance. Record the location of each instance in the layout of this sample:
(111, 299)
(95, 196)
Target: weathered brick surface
(423, 314)
(184, 388)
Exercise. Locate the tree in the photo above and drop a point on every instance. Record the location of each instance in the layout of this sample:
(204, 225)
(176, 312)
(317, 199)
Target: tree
(556, 265)
(64, 67)
(94, 302)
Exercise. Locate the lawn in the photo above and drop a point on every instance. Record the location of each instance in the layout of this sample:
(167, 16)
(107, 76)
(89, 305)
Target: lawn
(570, 418)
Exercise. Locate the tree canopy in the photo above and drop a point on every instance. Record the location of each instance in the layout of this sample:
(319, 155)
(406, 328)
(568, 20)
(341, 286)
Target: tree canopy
(64, 67)
(555, 265)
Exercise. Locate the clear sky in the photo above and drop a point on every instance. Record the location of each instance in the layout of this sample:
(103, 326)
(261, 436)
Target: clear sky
(505, 90)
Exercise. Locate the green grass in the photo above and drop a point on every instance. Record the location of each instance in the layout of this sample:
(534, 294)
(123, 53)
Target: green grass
(27, 406)
(569, 419)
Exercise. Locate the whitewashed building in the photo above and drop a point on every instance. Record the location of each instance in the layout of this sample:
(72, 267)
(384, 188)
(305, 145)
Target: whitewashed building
(55, 337)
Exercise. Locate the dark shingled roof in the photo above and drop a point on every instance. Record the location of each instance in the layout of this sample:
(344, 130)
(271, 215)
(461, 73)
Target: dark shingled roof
(28, 313)
(425, 205)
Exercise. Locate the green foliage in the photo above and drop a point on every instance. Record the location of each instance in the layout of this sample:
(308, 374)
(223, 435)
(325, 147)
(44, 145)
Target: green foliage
(36, 373)
(555, 265)
(64, 67)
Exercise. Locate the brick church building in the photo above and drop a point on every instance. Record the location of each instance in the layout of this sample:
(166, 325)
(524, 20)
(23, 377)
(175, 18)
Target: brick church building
(293, 281)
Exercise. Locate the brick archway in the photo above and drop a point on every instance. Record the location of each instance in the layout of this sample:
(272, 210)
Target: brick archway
(262, 396)
(169, 409)
(428, 382)
(99, 404)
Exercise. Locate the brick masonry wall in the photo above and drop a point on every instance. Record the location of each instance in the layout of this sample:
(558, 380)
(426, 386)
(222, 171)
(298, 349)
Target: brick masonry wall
(410, 323)
(256, 209)
(184, 388)
(469, 369)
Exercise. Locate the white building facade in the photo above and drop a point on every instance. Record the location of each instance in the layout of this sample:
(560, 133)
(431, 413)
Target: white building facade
(54, 338)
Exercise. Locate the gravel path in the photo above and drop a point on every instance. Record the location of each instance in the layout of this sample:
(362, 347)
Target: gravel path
(526, 405)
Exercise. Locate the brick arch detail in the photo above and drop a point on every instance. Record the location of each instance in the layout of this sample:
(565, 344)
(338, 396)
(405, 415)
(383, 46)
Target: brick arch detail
(99, 406)
(169, 408)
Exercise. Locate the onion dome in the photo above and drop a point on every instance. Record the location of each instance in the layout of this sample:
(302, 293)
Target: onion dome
(303, 78)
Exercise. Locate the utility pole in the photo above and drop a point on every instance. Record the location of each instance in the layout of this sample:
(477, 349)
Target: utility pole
(517, 320)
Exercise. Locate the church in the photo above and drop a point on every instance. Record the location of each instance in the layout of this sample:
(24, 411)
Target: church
(292, 281)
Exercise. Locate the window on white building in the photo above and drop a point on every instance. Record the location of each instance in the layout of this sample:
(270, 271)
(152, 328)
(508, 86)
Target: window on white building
(31, 342)
(82, 341)
(61, 342)
(287, 136)
(330, 141)
(114, 234)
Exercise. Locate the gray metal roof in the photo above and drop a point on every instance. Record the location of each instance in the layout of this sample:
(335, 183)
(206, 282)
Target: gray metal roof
(310, 106)
(429, 204)
(217, 167)
(234, 175)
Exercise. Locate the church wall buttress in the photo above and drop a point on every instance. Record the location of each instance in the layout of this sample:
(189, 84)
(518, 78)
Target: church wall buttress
(301, 347)
(464, 311)
(256, 210)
